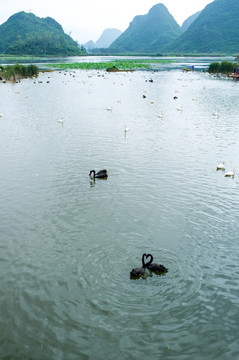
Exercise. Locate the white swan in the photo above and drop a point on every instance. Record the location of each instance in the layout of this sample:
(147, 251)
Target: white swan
(230, 173)
(61, 120)
(221, 166)
(160, 115)
(126, 128)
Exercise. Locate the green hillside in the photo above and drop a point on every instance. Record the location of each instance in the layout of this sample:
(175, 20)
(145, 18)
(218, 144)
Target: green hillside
(215, 30)
(148, 33)
(26, 34)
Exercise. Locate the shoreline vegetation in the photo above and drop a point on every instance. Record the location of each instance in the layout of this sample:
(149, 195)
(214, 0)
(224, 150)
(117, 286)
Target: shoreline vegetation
(225, 67)
(17, 72)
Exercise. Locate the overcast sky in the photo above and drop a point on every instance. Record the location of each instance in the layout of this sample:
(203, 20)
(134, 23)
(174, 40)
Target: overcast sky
(86, 19)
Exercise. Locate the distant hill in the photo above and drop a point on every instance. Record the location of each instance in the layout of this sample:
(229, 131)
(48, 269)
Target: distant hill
(89, 45)
(215, 30)
(104, 41)
(107, 37)
(148, 33)
(189, 21)
(26, 34)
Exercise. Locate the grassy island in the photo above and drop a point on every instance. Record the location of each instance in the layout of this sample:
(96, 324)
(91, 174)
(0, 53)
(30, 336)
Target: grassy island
(17, 71)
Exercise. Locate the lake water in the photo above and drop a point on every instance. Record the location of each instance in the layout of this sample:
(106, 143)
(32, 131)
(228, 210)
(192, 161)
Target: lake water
(68, 243)
(199, 62)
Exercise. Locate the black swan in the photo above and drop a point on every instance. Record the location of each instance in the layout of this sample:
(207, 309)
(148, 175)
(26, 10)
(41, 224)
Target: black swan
(100, 174)
(155, 267)
(135, 273)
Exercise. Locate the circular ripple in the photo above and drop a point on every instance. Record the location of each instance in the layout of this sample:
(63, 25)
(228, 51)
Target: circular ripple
(104, 273)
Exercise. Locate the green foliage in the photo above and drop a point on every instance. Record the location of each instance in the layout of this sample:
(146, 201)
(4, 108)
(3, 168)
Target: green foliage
(32, 70)
(8, 73)
(119, 64)
(17, 71)
(225, 67)
(214, 68)
(26, 34)
(43, 44)
(215, 30)
(148, 33)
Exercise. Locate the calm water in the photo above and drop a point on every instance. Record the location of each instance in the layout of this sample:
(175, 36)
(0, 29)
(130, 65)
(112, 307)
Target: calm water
(199, 63)
(68, 244)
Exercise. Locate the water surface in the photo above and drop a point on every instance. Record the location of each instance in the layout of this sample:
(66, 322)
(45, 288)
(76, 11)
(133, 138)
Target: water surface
(68, 243)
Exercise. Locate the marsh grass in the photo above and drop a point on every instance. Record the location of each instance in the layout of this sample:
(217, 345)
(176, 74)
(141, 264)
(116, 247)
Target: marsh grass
(225, 67)
(17, 71)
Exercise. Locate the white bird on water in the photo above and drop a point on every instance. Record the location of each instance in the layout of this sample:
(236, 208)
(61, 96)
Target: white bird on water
(126, 128)
(221, 166)
(230, 173)
(61, 120)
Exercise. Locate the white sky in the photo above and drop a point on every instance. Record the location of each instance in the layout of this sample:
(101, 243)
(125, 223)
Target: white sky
(86, 19)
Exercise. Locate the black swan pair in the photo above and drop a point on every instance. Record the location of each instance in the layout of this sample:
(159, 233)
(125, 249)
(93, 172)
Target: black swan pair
(100, 174)
(157, 268)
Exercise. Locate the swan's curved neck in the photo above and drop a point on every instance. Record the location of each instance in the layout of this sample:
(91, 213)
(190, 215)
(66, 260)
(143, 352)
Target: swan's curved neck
(92, 171)
(143, 263)
(151, 259)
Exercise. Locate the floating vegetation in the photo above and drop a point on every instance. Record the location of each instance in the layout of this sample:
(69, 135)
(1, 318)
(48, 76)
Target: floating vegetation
(119, 64)
(17, 71)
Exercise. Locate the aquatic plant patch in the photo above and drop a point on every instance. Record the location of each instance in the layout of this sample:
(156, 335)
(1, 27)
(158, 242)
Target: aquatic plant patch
(119, 64)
